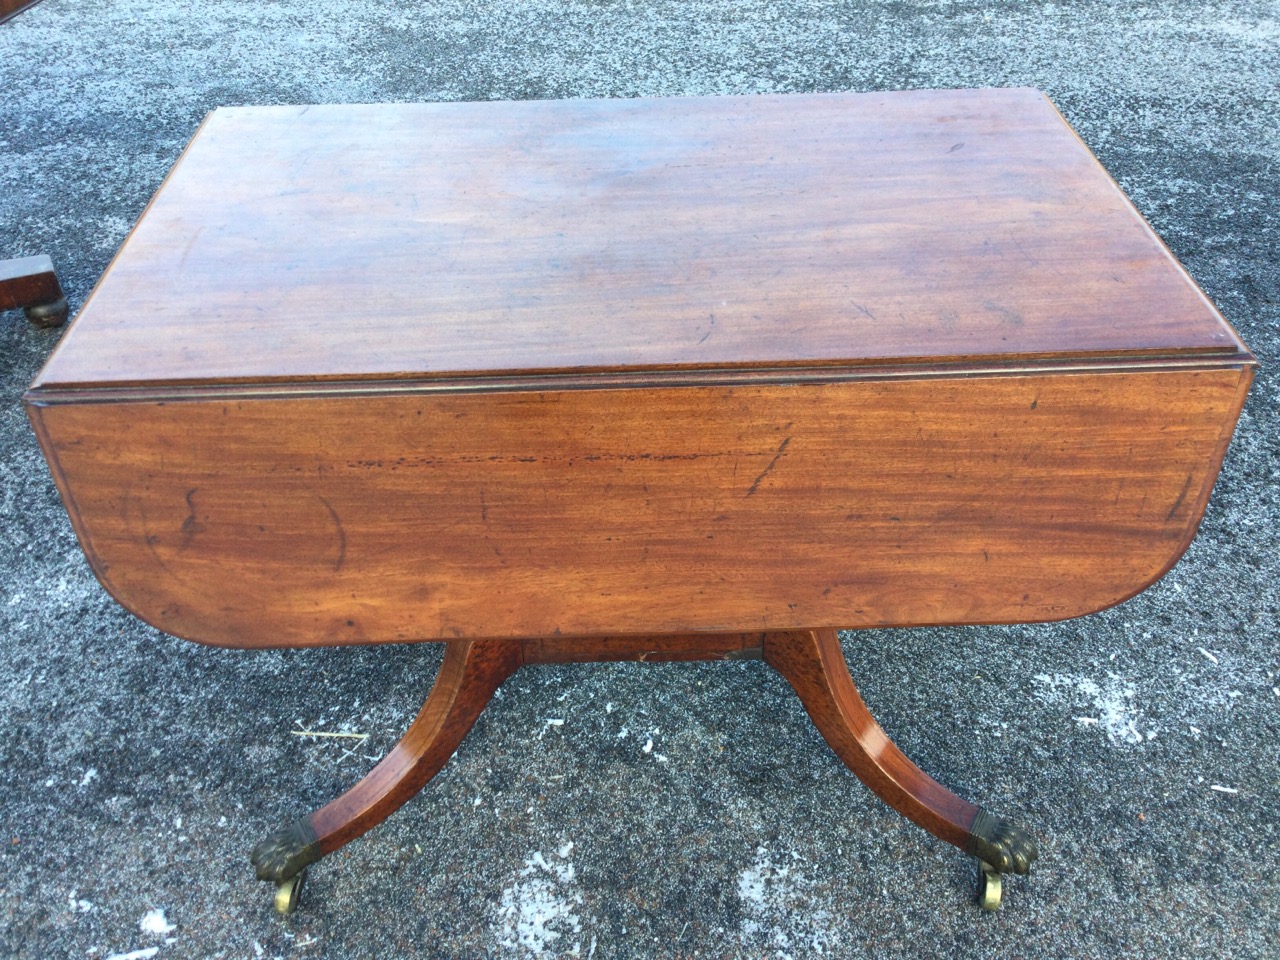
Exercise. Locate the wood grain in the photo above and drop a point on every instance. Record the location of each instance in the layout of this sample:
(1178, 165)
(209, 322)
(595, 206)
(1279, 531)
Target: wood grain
(442, 240)
(648, 649)
(373, 374)
(396, 516)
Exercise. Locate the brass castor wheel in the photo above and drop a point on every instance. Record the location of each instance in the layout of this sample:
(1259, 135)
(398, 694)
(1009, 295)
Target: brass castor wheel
(48, 314)
(287, 894)
(283, 857)
(992, 888)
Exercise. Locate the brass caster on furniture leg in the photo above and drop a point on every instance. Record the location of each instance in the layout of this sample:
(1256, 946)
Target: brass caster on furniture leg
(286, 852)
(283, 858)
(48, 314)
(1004, 846)
(1001, 847)
(992, 888)
(288, 892)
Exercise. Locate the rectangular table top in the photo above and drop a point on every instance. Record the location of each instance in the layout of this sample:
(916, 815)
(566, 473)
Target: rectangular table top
(375, 374)
(491, 240)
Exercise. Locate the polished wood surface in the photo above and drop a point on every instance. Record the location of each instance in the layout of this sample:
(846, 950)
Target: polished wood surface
(636, 367)
(27, 280)
(440, 240)
(295, 521)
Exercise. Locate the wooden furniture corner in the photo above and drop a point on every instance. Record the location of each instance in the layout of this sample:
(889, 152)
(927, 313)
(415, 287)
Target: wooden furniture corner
(29, 284)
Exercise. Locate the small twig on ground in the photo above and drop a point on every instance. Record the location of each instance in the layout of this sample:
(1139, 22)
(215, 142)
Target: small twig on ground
(324, 733)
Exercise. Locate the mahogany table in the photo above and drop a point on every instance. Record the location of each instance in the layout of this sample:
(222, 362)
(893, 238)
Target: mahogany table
(663, 379)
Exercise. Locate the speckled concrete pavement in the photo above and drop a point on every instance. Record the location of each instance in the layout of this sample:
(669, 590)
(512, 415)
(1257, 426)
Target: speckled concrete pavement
(1141, 744)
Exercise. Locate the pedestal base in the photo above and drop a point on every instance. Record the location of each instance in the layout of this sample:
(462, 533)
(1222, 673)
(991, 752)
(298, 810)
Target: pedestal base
(810, 660)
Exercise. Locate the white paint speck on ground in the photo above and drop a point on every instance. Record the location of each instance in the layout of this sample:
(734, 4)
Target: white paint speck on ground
(780, 908)
(144, 954)
(1222, 789)
(541, 907)
(551, 723)
(1117, 716)
(155, 922)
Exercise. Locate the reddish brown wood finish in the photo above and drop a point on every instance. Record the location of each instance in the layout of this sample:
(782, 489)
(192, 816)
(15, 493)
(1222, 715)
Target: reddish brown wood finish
(437, 240)
(636, 367)
(27, 280)
(396, 516)
(652, 649)
(654, 379)
(471, 672)
(812, 662)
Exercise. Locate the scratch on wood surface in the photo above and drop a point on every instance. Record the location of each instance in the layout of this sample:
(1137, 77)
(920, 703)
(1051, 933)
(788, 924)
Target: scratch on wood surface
(772, 463)
(1022, 250)
(186, 251)
(342, 534)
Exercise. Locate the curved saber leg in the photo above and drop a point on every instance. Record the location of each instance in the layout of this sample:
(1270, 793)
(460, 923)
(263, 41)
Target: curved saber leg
(471, 672)
(812, 662)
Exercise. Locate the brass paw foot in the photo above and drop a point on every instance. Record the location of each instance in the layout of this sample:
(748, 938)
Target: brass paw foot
(286, 853)
(1005, 846)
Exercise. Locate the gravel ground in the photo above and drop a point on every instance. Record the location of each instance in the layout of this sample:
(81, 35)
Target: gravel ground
(1140, 744)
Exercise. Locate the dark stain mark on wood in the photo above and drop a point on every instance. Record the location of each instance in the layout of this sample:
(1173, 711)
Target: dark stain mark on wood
(191, 525)
(1177, 503)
